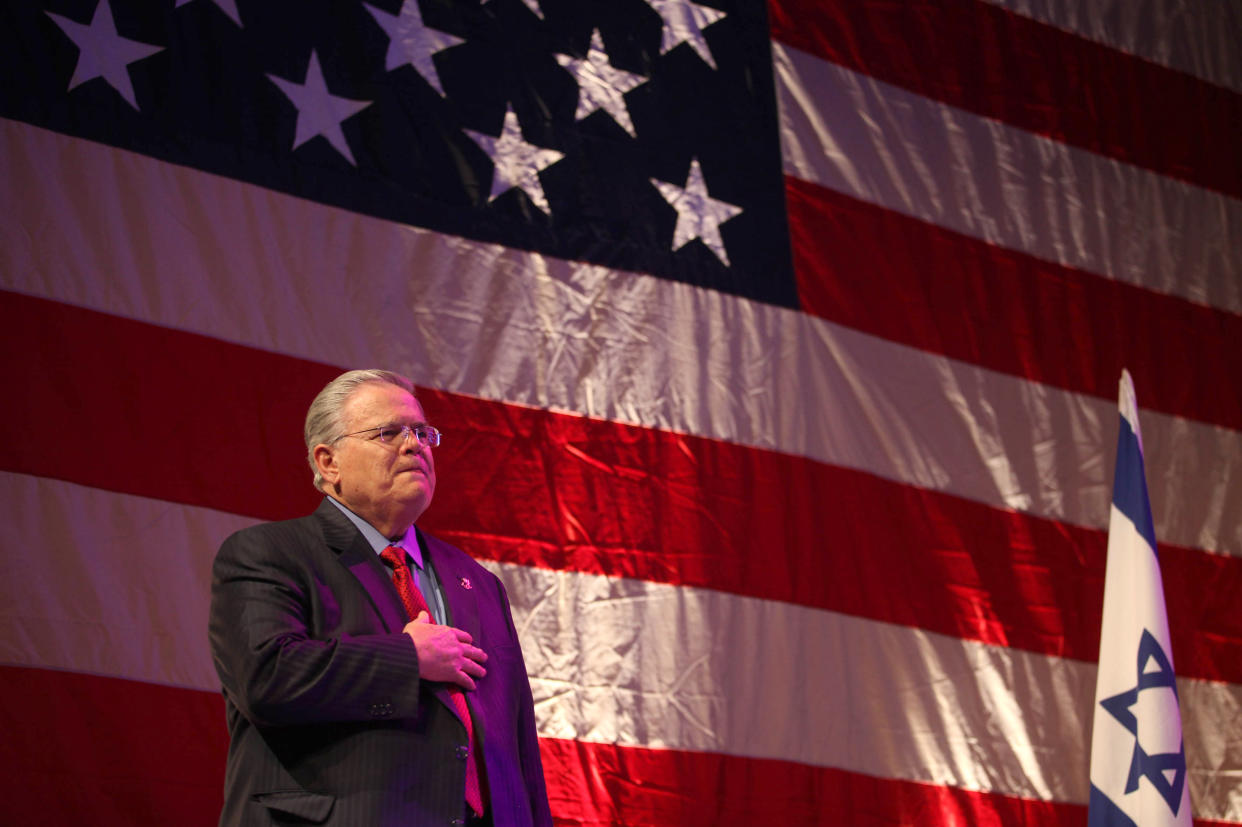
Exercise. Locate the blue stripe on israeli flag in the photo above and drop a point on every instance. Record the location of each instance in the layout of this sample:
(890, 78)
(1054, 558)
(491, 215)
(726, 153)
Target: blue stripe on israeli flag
(1102, 812)
(1130, 483)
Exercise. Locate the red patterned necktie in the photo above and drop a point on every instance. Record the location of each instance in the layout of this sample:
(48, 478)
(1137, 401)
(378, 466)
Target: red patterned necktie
(414, 603)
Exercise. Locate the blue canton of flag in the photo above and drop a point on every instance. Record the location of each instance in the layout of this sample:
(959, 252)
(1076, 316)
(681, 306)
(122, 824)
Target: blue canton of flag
(1138, 758)
(639, 135)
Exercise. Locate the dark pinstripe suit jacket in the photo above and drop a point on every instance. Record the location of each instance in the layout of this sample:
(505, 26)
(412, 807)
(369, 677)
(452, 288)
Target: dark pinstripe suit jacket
(328, 720)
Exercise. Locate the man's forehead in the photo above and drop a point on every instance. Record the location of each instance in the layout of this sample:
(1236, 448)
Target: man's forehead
(381, 399)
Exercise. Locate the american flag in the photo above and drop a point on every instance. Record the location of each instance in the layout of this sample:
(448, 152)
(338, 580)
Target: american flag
(774, 346)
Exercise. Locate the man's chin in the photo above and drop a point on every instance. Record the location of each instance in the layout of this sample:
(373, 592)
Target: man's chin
(417, 499)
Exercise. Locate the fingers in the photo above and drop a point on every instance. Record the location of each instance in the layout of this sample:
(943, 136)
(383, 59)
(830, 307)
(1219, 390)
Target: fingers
(446, 653)
(470, 667)
(474, 668)
(469, 672)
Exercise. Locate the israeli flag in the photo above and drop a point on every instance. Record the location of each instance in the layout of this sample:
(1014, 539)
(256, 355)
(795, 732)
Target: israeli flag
(1138, 758)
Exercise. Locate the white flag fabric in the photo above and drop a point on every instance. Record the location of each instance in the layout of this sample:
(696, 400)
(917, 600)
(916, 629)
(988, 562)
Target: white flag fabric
(1138, 757)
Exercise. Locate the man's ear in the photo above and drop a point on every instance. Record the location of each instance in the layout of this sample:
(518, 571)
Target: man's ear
(325, 461)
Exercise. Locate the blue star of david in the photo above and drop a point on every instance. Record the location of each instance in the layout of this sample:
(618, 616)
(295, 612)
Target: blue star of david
(1152, 767)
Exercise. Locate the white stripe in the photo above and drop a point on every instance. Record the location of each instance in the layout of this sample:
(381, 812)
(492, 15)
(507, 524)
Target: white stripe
(1200, 39)
(701, 670)
(105, 583)
(238, 262)
(668, 667)
(854, 134)
(1127, 406)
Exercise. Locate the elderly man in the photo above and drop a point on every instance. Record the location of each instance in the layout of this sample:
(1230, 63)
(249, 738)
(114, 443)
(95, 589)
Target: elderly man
(371, 673)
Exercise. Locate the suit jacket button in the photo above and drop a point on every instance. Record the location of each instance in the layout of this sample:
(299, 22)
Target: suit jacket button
(463, 752)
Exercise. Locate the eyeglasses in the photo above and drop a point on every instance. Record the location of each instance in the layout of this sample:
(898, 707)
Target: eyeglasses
(427, 436)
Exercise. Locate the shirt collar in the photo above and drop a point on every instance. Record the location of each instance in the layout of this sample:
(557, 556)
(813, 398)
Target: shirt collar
(379, 542)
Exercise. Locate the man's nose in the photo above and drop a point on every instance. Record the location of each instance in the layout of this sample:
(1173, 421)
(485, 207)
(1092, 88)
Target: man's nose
(411, 445)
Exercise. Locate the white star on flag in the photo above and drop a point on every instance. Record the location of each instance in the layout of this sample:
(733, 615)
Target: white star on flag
(229, 7)
(102, 53)
(684, 22)
(411, 41)
(698, 214)
(517, 163)
(319, 111)
(600, 85)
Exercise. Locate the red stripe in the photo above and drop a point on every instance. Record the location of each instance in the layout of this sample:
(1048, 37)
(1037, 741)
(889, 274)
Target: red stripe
(591, 785)
(604, 498)
(979, 57)
(912, 282)
(159, 408)
(565, 492)
(80, 749)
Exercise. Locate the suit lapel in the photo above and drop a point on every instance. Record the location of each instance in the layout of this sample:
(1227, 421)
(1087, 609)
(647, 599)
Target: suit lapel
(355, 553)
(459, 593)
(460, 603)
